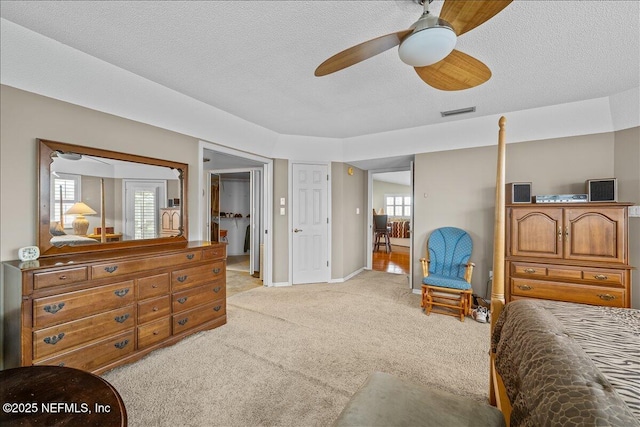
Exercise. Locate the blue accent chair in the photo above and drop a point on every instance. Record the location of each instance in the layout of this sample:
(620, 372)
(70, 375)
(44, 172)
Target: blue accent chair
(447, 273)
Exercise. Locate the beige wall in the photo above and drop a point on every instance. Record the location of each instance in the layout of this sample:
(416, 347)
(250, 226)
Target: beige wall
(456, 188)
(627, 170)
(280, 222)
(348, 227)
(26, 116)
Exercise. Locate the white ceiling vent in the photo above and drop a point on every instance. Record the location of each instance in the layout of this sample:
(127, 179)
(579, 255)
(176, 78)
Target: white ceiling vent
(456, 112)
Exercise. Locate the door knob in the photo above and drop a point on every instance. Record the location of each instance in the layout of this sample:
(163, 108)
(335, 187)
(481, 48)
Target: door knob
(297, 230)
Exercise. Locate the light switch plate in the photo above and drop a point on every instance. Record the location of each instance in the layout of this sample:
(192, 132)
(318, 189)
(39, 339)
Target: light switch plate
(282, 211)
(282, 201)
(634, 211)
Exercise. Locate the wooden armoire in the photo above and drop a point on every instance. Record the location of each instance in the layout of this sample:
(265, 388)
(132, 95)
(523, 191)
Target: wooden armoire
(575, 252)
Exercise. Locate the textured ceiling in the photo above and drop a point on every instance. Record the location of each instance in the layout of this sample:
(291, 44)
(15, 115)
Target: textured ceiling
(255, 59)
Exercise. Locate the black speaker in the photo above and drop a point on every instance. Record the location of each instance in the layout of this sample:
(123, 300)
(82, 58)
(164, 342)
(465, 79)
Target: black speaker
(602, 190)
(518, 192)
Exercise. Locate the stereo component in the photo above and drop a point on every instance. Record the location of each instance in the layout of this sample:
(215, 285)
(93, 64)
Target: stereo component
(562, 198)
(602, 190)
(518, 192)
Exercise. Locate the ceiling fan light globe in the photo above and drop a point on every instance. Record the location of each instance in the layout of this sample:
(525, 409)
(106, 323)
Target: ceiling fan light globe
(427, 46)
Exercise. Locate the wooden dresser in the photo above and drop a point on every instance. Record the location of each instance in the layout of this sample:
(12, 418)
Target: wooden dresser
(575, 252)
(96, 311)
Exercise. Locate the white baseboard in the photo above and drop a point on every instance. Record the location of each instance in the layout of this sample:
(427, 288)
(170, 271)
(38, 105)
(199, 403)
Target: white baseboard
(280, 284)
(417, 291)
(344, 279)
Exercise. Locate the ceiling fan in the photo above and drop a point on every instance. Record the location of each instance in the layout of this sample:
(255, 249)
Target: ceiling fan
(428, 45)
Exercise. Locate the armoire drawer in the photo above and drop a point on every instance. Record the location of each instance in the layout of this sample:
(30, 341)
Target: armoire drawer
(196, 276)
(62, 308)
(217, 252)
(198, 316)
(97, 354)
(58, 338)
(580, 293)
(194, 297)
(154, 332)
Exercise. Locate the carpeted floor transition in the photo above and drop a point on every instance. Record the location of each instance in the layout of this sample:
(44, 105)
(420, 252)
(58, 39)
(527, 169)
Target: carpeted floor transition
(293, 356)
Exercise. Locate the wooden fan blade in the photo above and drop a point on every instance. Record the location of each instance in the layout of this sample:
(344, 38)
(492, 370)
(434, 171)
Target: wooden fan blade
(457, 71)
(360, 52)
(465, 15)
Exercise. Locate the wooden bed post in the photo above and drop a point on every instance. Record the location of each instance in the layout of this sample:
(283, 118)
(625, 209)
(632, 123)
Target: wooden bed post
(497, 288)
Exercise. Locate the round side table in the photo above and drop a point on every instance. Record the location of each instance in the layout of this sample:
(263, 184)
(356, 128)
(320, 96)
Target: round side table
(56, 396)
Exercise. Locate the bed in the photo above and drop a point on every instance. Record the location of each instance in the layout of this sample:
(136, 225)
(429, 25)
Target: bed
(555, 363)
(71, 240)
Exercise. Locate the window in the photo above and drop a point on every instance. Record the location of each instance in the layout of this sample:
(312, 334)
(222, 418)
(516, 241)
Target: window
(397, 205)
(66, 191)
(144, 214)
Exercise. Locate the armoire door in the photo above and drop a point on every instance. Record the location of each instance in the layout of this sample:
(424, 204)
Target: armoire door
(536, 232)
(595, 234)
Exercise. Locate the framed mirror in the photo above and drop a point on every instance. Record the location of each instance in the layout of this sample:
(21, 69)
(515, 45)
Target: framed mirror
(92, 199)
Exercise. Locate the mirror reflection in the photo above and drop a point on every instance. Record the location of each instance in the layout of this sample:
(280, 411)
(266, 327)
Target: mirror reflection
(90, 198)
(136, 201)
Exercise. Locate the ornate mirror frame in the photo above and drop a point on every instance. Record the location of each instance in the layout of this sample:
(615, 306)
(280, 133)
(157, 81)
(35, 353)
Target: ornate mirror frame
(48, 150)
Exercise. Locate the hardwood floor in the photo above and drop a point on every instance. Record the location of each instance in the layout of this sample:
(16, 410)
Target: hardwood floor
(397, 261)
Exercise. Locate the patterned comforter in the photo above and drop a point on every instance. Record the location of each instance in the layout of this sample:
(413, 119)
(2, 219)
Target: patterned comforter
(569, 364)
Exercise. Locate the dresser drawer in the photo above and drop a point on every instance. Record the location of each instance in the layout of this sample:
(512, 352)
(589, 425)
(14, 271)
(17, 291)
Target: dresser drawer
(196, 276)
(198, 316)
(119, 268)
(154, 332)
(74, 305)
(59, 277)
(154, 309)
(95, 355)
(580, 293)
(152, 286)
(216, 252)
(59, 338)
(190, 298)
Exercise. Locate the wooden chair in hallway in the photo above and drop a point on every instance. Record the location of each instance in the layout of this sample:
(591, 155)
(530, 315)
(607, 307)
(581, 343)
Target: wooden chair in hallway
(381, 233)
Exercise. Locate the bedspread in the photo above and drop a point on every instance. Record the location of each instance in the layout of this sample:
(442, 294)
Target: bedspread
(569, 364)
(400, 229)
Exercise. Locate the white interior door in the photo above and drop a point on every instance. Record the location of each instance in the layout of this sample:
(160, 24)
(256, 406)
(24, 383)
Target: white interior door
(310, 220)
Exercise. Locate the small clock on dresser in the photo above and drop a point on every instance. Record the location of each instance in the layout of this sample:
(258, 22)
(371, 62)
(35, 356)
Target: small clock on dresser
(28, 253)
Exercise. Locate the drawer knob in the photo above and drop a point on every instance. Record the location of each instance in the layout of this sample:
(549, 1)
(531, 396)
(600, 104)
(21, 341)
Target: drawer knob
(182, 300)
(190, 256)
(525, 287)
(54, 339)
(53, 308)
(183, 322)
(217, 289)
(530, 270)
(111, 269)
(63, 277)
(216, 270)
(155, 309)
(606, 297)
(122, 344)
(155, 332)
(121, 292)
(217, 308)
(121, 319)
(61, 364)
(600, 277)
(154, 286)
(182, 278)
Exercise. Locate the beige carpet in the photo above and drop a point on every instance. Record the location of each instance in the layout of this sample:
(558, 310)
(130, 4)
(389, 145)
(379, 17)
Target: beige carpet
(293, 356)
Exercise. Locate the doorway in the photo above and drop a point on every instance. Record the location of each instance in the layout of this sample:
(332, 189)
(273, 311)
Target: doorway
(235, 210)
(391, 195)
